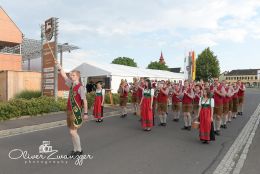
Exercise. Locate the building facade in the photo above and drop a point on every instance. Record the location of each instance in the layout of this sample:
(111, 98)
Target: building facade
(250, 77)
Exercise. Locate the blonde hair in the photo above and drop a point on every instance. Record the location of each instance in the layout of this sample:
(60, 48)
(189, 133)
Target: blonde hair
(76, 72)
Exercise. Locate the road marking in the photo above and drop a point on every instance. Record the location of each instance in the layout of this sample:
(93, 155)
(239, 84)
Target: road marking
(234, 159)
(45, 126)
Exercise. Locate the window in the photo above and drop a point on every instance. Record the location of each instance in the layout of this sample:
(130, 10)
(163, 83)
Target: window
(255, 77)
(251, 78)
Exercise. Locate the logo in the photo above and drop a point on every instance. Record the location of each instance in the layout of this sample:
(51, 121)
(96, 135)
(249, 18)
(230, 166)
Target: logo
(49, 29)
(47, 155)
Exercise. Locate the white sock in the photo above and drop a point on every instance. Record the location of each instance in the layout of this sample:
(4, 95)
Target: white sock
(77, 142)
(164, 118)
(185, 121)
(161, 118)
(218, 122)
(74, 144)
(189, 120)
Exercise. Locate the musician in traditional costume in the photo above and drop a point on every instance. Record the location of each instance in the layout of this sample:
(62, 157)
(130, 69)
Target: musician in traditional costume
(77, 108)
(188, 95)
(241, 96)
(197, 96)
(206, 109)
(219, 93)
(235, 101)
(226, 99)
(123, 93)
(99, 102)
(230, 103)
(146, 106)
(134, 91)
(176, 102)
(162, 101)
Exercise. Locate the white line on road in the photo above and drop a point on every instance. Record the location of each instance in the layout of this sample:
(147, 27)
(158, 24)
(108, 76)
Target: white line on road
(234, 159)
(44, 126)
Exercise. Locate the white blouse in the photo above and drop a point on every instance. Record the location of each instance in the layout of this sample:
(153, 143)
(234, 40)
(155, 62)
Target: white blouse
(210, 101)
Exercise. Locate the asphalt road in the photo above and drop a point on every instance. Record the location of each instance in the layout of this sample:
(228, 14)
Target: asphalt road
(119, 146)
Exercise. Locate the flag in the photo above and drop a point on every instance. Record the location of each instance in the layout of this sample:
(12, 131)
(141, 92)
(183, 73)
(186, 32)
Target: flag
(193, 66)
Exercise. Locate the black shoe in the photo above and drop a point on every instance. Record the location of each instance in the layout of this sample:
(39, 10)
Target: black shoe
(160, 124)
(78, 153)
(241, 113)
(229, 121)
(222, 126)
(164, 124)
(217, 132)
(71, 154)
(189, 128)
(205, 142)
(177, 120)
(225, 126)
(135, 113)
(238, 113)
(185, 128)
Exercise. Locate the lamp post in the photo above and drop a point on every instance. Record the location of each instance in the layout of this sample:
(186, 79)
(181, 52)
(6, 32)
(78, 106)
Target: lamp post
(61, 51)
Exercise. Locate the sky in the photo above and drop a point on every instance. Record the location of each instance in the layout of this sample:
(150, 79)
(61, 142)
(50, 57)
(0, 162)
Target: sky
(141, 29)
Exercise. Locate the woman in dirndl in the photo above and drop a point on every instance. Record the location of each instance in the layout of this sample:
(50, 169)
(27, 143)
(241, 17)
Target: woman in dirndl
(206, 108)
(99, 102)
(146, 106)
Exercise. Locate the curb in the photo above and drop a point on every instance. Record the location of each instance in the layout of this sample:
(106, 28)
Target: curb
(44, 126)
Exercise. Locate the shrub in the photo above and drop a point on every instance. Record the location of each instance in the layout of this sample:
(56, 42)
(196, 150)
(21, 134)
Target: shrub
(20, 107)
(28, 94)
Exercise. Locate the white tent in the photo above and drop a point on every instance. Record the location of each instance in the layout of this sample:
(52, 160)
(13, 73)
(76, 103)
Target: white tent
(118, 72)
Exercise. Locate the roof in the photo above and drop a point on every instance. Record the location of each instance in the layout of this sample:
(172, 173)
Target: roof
(89, 69)
(9, 31)
(31, 48)
(176, 70)
(242, 72)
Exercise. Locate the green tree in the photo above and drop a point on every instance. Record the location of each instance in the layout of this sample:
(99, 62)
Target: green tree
(124, 61)
(207, 65)
(157, 65)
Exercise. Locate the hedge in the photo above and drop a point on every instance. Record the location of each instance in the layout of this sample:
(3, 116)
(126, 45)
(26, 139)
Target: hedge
(34, 106)
(30, 104)
(28, 94)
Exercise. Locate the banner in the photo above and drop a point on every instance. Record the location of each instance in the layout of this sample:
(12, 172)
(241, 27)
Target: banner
(48, 68)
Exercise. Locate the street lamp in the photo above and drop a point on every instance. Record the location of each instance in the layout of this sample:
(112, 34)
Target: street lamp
(61, 51)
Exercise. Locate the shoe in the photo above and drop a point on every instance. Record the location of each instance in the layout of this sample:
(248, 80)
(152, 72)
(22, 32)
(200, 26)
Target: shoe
(189, 128)
(225, 126)
(222, 126)
(78, 153)
(238, 113)
(135, 113)
(217, 132)
(229, 121)
(185, 128)
(177, 120)
(241, 113)
(164, 124)
(160, 124)
(205, 142)
(71, 154)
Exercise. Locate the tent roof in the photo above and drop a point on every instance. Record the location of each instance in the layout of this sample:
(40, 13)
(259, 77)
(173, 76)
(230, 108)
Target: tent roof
(89, 69)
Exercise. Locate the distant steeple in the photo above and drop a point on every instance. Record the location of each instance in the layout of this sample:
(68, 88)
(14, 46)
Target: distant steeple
(161, 60)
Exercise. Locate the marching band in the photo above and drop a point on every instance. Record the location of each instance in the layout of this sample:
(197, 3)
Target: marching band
(203, 105)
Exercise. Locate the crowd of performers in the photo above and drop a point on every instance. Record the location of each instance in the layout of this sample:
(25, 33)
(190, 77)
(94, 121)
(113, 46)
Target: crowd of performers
(199, 102)
(209, 105)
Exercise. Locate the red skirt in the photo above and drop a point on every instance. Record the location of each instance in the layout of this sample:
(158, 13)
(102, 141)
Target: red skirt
(205, 123)
(146, 113)
(97, 111)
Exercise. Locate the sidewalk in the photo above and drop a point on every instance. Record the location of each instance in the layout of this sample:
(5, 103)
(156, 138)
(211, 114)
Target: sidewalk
(35, 123)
